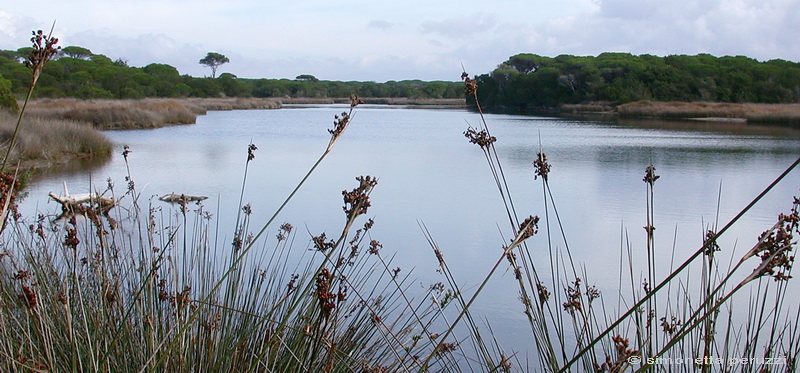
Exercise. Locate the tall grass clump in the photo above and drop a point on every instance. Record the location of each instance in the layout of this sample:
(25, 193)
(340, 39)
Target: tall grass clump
(49, 141)
(116, 114)
(788, 114)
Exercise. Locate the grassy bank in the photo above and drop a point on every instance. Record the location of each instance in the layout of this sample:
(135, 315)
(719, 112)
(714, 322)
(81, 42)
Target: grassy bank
(758, 113)
(154, 113)
(76, 121)
(43, 142)
(132, 114)
(788, 114)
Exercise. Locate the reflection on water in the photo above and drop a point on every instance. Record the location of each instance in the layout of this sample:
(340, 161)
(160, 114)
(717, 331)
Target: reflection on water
(429, 172)
(78, 166)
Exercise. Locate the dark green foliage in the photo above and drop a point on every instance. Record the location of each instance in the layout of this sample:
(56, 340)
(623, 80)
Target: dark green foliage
(204, 87)
(529, 82)
(7, 100)
(79, 73)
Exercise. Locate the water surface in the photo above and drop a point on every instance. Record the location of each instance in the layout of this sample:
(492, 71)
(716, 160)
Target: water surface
(429, 173)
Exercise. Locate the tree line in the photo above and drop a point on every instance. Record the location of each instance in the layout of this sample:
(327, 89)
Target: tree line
(77, 72)
(529, 82)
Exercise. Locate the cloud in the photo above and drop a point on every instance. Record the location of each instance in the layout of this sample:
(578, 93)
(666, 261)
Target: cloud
(757, 28)
(143, 49)
(381, 25)
(15, 29)
(463, 27)
(408, 40)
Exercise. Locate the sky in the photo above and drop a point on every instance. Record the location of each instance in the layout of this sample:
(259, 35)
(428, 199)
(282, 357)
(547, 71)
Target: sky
(402, 39)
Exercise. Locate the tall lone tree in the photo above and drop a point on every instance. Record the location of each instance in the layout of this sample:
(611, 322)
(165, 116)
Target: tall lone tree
(77, 52)
(214, 60)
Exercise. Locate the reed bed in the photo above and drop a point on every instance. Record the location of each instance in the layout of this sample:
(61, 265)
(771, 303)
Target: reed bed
(592, 107)
(206, 104)
(762, 113)
(146, 113)
(43, 142)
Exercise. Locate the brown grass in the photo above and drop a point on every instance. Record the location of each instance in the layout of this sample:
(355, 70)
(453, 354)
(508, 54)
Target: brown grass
(591, 107)
(762, 113)
(43, 142)
(159, 112)
(206, 104)
(147, 113)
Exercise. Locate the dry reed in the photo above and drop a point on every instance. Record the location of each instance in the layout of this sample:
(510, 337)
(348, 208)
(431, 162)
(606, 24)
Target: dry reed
(146, 113)
(764, 113)
(44, 142)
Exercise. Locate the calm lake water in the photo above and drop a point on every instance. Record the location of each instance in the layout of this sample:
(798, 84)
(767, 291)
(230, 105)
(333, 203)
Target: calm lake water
(430, 173)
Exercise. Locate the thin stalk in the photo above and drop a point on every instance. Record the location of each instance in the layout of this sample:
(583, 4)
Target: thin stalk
(38, 58)
(517, 241)
(683, 266)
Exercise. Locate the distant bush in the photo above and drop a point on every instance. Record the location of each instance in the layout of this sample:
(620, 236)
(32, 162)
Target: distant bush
(7, 100)
(527, 82)
(98, 77)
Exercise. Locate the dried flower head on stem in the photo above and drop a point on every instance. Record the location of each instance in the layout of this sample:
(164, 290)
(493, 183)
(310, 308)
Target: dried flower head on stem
(355, 101)
(251, 152)
(710, 243)
(542, 167)
(470, 85)
(284, 231)
(356, 201)
(322, 243)
(44, 48)
(341, 121)
(650, 176)
(528, 227)
(482, 137)
(775, 245)
(326, 298)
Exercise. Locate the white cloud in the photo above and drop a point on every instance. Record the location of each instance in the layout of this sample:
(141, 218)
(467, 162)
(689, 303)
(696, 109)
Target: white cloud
(381, 25)
(349, 40)
(15, 29)
(462, 27)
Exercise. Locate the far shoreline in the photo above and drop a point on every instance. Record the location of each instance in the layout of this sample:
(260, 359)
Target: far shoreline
(113, 114)
(755, 113)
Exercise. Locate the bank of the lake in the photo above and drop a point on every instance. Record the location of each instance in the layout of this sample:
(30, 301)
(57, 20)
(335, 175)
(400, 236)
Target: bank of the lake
(58, 131)
(55, 132)
(44, 143)
(79, 122)
(783, 114)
